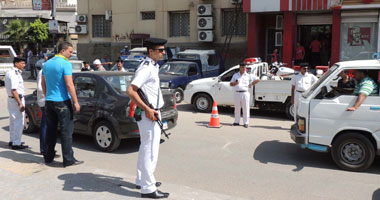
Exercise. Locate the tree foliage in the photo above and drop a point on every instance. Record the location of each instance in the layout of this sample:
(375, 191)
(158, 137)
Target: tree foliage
(38, 32)
(17, 32)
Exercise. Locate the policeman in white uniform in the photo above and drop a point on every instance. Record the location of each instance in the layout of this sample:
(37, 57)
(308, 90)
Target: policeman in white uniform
(146, 79)
(242, 81)
(300, 83)
(14, 85)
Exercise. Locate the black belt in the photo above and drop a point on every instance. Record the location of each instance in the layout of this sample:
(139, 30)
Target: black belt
(20, 95)
(300, 91)
(241, 91)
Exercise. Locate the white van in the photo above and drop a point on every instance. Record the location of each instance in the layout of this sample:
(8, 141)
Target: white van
(323, 124)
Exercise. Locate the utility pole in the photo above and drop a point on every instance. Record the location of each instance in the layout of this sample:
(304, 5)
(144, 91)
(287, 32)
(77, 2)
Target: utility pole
(53, 14)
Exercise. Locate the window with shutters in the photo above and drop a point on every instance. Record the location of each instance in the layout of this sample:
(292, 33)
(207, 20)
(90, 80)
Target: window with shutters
(100, 26)
(234, 22)
(148, 15)
(179, 24)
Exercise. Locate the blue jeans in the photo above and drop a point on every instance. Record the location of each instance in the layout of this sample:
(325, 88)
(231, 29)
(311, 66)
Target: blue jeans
(43, 130)
(61, 112)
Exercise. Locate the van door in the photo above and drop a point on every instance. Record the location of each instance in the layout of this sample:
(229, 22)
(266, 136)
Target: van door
(328, 115)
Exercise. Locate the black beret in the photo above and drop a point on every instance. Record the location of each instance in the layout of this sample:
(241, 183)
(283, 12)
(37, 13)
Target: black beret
(155, 42)
(242, 64)
(304, 65)
(19, 59)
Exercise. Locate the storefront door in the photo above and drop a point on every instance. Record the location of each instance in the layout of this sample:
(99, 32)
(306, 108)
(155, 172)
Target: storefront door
(311, 35)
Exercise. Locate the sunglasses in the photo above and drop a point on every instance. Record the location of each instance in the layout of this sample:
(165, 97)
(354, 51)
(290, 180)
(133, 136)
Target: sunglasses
(160, 50)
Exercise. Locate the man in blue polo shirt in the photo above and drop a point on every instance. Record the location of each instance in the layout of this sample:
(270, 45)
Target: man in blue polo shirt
(58, 87)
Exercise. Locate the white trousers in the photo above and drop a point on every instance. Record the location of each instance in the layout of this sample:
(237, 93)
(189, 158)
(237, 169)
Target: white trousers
(150, 134)
(16, 121)
(296, 99)
(242, 102)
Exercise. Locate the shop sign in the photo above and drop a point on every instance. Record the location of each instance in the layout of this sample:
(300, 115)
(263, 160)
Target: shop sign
(41, 4)
(357, 35)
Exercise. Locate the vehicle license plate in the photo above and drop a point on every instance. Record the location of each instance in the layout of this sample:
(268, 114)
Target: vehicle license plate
(164, 125)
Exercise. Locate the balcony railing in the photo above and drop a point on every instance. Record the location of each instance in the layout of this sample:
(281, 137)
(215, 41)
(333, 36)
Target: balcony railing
(14, 5)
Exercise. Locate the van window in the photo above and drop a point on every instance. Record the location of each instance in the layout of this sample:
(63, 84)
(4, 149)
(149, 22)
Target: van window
(337, 86)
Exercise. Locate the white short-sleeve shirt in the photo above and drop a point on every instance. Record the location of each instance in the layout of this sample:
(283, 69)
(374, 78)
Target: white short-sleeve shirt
(303, 82)
(244, 81)
(13, 80)
(146, 78)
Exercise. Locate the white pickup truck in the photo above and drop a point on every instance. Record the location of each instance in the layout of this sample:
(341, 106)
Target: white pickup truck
(267, 94)
(7, 55)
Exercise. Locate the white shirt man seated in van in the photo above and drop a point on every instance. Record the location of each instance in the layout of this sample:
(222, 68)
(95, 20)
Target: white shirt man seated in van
(366, 86)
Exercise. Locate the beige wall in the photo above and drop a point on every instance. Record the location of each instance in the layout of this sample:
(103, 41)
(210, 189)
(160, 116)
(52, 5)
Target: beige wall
(126, 18)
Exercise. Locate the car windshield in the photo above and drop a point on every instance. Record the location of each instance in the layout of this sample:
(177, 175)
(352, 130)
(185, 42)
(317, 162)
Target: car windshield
(174, 68)
(5, 56)
(119, 82)
(323, 78)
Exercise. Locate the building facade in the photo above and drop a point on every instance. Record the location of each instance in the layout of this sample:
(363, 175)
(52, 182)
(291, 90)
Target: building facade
(345, 29)
(110, 25)
(23, 9)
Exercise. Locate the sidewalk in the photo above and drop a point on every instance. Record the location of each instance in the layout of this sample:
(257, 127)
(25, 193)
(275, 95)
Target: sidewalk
(24, 176)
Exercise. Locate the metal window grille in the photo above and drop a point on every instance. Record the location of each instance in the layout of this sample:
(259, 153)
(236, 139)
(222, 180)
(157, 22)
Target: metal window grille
(179, 24)
(148, 15)
(229, 22)
(100, 26)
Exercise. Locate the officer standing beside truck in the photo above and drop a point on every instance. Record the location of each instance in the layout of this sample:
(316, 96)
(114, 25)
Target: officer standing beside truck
(14, 85)
(242, 81)
(300, 83)
(146, 79)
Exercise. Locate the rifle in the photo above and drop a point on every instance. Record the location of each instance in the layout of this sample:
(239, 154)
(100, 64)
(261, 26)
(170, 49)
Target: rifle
(145, 100)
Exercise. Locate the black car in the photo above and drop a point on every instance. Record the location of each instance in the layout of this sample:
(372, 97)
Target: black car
(105, 108)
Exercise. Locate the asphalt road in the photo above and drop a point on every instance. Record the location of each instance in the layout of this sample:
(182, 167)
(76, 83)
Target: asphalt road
(259, 162)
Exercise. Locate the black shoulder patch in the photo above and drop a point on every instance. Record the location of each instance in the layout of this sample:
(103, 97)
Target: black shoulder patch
(146, 62)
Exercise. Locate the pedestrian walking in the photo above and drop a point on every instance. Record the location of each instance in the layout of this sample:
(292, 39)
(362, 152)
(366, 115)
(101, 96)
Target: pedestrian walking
(14, 85)
(300, 83)
(300, 54)
(147, 79)
(119, 65)
(98, 65)
(242, 81)
(58, 87)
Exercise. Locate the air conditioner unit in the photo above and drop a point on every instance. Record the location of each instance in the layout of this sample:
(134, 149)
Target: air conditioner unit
(205, 36)
(109, 15)
(81, 18)
(204, 9)
(81, 29)
(279, 22)
(278, 39)
(205, 22)
(62, 29)
(236, 1)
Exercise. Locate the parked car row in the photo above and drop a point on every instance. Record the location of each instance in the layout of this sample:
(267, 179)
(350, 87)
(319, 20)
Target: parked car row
(105, 109)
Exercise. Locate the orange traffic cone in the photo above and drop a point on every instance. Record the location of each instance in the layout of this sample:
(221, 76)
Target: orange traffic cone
(214, 121)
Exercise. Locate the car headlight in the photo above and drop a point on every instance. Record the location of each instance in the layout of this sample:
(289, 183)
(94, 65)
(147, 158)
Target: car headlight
(301, 125)
(165, 84)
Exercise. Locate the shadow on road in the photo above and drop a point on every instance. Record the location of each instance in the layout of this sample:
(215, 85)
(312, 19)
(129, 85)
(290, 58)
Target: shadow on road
(376, 195)
(6, 128)
(89, 182)
(1, 118)
(292, 154)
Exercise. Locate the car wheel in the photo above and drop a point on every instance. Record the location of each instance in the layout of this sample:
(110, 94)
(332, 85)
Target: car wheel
(289, 110)
(105, 136)
(203, 103)
(29, 126)
(178, 95)
(353, 152)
